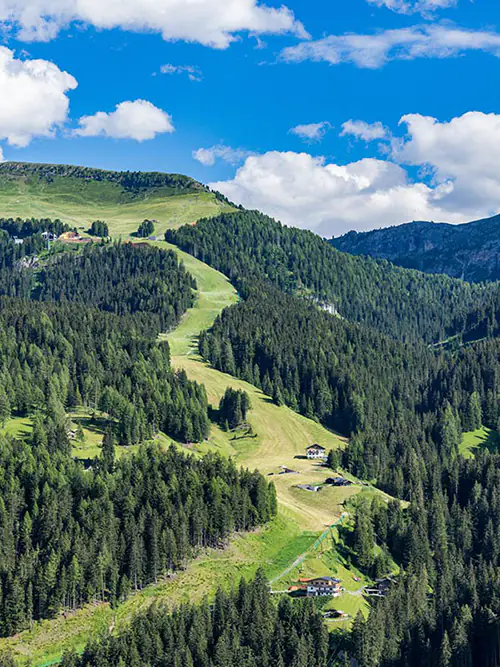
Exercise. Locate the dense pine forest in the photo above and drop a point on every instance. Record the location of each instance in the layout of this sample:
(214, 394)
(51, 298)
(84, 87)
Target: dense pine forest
(346, 376)
(68, 535)
(56, 356)
(121, 279)
(390, 397)
(448, 543)
(248, 246)
(400, 362)
(87, 335)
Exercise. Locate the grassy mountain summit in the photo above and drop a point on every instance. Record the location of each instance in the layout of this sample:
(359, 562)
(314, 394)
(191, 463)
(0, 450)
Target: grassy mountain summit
(470, 251)
(79, 195)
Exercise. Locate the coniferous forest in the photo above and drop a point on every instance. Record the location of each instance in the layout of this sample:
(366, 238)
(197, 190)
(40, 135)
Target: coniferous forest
(409, 305)
(121, 279)
(70, 535)
(86, 334)
(241, 628)
(57, 356)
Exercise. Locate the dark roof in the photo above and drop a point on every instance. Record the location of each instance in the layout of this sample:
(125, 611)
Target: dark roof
(315, 446)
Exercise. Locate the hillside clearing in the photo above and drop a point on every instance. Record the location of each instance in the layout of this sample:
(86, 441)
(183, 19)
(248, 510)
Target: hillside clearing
(483, 437)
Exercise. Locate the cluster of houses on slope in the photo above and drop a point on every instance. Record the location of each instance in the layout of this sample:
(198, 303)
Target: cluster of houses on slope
(47, 236)
(315, 453)
(318, 587)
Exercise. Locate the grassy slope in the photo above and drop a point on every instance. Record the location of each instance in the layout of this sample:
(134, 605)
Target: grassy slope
(281, 435)
(78, 202)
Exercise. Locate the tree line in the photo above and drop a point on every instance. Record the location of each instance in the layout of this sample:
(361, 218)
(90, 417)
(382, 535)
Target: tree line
(131, 181)
(23, 228)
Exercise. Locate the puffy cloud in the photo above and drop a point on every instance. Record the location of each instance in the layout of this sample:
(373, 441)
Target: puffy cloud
(33, 99)
(208, 156)
(414, 6)
(364, 131)
(213, 23)
(459, 180)
(375, 50)
(464, 152)
(139, 120)
(307, 192)
(311, 131)
(194, 73)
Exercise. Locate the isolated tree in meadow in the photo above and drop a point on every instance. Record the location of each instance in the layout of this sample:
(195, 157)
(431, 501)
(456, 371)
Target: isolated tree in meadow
(146, 228)
(233, 408)
(99, 228)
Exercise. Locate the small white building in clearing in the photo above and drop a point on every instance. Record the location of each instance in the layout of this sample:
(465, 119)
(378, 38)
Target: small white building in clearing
(316, 452)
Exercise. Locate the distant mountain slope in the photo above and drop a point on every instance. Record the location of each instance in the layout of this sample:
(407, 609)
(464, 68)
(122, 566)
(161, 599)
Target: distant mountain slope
(470, 251)
(79, 195)
(248, 246)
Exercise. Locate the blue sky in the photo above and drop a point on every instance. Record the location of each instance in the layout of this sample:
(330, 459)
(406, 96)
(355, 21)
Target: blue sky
(238, 77)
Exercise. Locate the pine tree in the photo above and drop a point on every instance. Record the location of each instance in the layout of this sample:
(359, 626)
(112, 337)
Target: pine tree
(108, 450)
(474, 416)
(4, 407)
(364, 539)
(445, 654)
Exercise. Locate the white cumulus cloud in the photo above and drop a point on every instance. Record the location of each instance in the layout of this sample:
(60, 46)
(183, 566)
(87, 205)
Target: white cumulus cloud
(139, 120)
(375, 50)
(33, 98)
(414, 6)
(460, 180)
(209, 156)
(464, 152)
(214, 23)
(311, 131)
(364, 131)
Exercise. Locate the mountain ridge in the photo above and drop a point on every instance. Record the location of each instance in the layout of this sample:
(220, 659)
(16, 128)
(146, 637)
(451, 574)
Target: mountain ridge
(470, 251)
